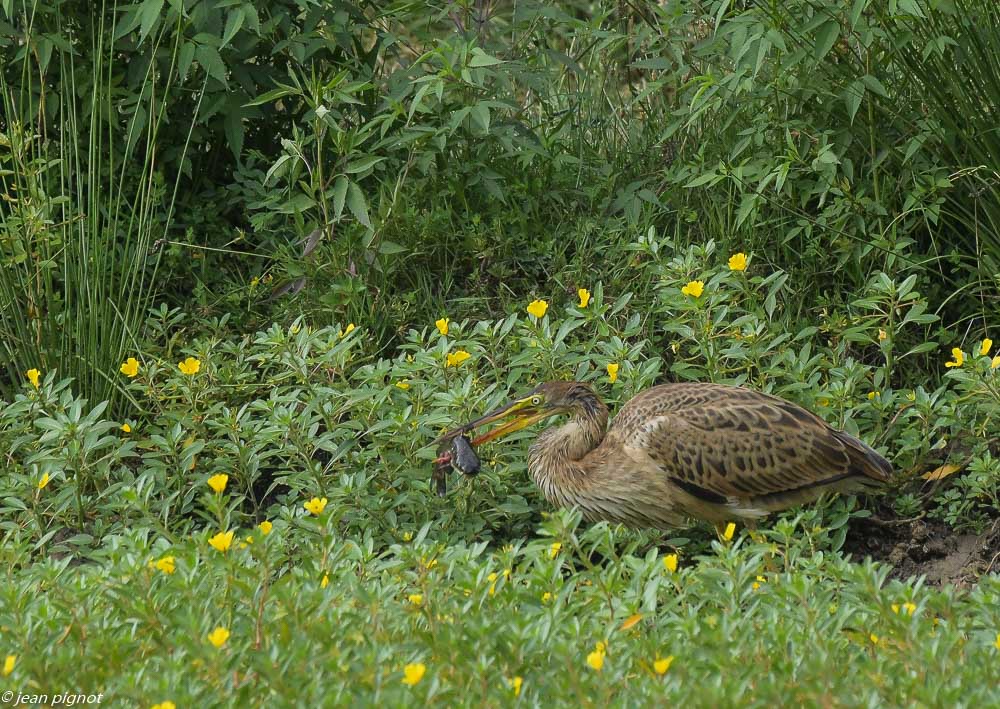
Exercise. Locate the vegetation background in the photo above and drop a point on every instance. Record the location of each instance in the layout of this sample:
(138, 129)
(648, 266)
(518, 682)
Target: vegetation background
(255, 256)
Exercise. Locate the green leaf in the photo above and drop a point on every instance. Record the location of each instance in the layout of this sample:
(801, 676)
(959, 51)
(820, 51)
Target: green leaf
(481, 58)
(480, 115)
(272, 95)
(235, 130)
(853, 95)
(149, 13)
(184, 58)
(362, 164)
(826, 37)
(209, 58)
(357, 204)
(339, 194)
(233, 24)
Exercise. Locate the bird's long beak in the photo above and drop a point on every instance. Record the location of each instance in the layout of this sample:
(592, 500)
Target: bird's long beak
(521, 413)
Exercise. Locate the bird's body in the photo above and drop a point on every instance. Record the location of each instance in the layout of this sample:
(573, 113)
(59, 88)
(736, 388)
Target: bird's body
(674, 451)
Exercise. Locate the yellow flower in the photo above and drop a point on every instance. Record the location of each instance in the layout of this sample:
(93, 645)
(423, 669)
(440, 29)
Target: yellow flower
(758, 582)
(995, 364)
(222, 541)
(546, 597)
(413, 673)
(537, 308)
(596, 659)
(316, 505)
(415, 598)
(32, 375)
(872, 395)
(584, 297)
(325, 582)
(984, 349)
(738, 262)
(218, 637)
(554, 549)
(130, 367)
(661, 665)
(959, 358)
(348, 330)
(442, 325)
(456, 358)
(403, 384)
(8, 664)
(164, 705)
(730, 531)
(44, 481)
(190, 366)
(166, 565)
(218, 482)
(670, 562)
(909, 608)
(874, 638)
(126, 428)
(694, 289)
(516, 682)
(996, 644)
(492, 578)
(265, 527)
(881, 334)
(613, 371)
(407, 536)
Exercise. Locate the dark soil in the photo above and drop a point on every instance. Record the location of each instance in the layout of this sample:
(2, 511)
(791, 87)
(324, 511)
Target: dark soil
(927, 548)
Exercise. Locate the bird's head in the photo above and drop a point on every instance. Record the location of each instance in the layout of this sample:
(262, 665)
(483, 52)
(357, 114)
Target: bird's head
(545, 400)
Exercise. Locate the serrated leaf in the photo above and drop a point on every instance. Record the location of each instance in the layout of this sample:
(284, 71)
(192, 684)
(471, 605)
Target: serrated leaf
(357, 204)
(184, 58)
(853, 95)
(233, 24)
(208, 56)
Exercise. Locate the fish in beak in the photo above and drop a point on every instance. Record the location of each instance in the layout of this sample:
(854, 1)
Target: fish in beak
(521, 412)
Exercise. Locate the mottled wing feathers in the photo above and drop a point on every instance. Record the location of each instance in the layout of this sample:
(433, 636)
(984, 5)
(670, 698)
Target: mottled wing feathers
(725, 444)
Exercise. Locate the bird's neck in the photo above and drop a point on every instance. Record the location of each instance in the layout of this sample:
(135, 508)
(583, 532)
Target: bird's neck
(554, 459)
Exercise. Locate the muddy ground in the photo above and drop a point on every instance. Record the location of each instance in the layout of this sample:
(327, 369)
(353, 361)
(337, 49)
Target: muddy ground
(926, 547)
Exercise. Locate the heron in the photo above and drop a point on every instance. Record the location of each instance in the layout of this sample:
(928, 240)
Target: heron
(685, 450)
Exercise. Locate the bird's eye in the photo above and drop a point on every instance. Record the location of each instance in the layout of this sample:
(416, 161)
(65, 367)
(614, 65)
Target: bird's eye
(536, 400)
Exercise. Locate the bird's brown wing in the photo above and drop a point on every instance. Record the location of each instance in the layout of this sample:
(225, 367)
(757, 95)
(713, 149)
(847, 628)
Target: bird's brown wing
(724, 444)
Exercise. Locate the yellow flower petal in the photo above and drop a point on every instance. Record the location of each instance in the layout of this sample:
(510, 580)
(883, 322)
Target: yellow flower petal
(218, 637)
(265, 527)
(984, 349)
(403, 384)
(596, 660)
(694, 289)
(662, 665)
(995, 364)
(613, 371)
(416, 599)
(670, 563)
(8, 664)
(537, 308)
(882, 335)
(738, 262)
(413, 673)
(130, 367)
(44, 481)
(584, 297)
(126, 428)
(515, 685)
(165, 564)
(316, 505)
(959, 358)
(325, 582)
(218, 482)
(554, 549)
(442, 325)
(222, 541)
(33, 375)
(730, 531)
(456, 358)
(189, 366)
